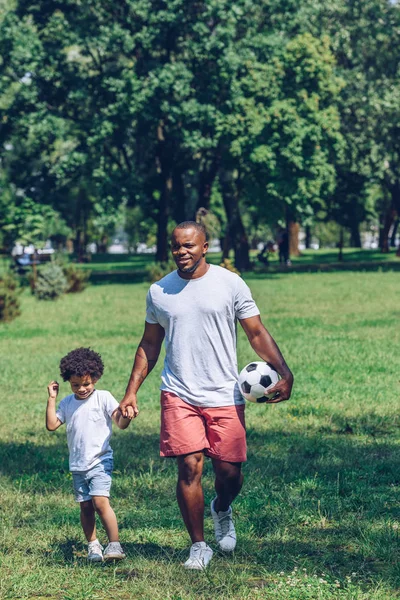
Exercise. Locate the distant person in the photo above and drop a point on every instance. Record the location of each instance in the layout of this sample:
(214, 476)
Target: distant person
(88, 414)
(195, 309)
(283, 246)
(266, 251)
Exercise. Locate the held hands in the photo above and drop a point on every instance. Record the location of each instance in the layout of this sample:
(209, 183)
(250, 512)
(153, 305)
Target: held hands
(128, 407)
(52, 389)
(281, 390)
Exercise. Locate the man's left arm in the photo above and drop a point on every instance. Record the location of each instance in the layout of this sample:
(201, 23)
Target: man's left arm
(266, 348)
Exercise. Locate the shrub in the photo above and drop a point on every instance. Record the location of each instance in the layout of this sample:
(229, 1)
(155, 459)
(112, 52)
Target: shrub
(51, 282)
(157, 271)
(77, 279)
(9, 298)
(227, 264)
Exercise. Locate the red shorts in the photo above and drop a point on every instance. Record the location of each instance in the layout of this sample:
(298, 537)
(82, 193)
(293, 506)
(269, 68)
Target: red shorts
(219, 432)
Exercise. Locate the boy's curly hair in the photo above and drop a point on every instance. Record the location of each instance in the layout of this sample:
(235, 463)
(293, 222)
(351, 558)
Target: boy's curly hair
(81, 362)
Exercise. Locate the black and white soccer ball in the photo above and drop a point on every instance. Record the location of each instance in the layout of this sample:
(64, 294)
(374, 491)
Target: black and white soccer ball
(255, 379)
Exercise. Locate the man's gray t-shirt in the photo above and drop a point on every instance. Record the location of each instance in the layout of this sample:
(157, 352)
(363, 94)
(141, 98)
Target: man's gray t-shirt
(199, 318)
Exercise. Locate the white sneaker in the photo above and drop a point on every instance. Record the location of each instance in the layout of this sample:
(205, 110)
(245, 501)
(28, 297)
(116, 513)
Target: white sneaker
(200, 556)
(224, 528)
(95, 551)
(114, 552)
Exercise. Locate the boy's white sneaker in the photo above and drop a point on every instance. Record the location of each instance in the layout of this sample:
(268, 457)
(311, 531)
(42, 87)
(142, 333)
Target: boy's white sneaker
(114, 552)
(95, 551)
(200, 556)
(224, 528)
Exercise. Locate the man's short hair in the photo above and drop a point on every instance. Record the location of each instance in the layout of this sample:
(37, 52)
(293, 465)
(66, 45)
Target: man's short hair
(199, 227)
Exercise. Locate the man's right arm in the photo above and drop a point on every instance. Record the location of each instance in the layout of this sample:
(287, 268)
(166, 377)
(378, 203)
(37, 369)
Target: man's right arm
(145, 359)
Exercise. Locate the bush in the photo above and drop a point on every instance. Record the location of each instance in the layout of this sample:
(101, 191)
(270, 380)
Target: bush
(51, 283)
(228, 264)
(157, 271)
(9, 298)
(77, 279)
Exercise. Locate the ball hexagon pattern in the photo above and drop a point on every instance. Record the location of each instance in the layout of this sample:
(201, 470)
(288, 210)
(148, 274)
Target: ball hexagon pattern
(254, 380)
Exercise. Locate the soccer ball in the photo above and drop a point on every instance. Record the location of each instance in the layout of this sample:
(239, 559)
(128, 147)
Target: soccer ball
(255, 379)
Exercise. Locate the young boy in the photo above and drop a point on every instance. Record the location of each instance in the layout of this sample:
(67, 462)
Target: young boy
(88, 414)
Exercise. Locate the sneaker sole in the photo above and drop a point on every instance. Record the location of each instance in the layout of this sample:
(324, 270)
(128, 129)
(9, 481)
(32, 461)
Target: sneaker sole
(110, 557)
(195, 568)
(226, 550)
(94, 560)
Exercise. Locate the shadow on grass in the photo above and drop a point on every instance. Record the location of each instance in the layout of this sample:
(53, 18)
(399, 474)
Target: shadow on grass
(70, 550)
(325, 501)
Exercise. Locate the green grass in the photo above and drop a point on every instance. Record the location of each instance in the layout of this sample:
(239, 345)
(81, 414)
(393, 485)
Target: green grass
(318, 516)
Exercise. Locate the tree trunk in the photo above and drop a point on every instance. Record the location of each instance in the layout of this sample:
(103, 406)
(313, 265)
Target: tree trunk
(341, 242)
(180, 196)
(235, 228)
(355, 235)
(307, 240)
(386, 221)
(206, 180)
(164, 167)
(293, 231)
(394, 233)
(162, 219)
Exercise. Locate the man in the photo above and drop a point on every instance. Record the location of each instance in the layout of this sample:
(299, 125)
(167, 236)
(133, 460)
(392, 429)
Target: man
(195, 309)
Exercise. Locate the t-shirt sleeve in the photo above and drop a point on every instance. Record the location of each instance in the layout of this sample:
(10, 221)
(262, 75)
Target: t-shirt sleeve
(61, 410)
(151, 316)
(245, 306)
(110, 403)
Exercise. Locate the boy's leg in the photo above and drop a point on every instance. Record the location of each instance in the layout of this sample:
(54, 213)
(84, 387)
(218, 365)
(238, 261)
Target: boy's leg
(114, 550)
(88, 520)
(107, 516)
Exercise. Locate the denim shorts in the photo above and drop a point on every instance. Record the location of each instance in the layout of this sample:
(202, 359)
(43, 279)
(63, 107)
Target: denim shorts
(94, 482)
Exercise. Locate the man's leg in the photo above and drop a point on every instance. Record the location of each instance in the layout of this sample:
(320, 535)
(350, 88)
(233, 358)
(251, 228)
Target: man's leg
(189, 493)
(228, 483)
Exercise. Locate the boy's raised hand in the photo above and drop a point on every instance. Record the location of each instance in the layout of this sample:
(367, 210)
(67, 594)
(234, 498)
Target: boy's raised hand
(52, 389)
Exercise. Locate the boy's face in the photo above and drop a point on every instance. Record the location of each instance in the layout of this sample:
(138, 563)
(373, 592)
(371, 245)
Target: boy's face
(82, 386)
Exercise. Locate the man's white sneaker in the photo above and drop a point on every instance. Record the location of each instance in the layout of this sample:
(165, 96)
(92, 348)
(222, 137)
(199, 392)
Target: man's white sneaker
(200, 556)
(95, 551)
(224, 528)
(114, 552)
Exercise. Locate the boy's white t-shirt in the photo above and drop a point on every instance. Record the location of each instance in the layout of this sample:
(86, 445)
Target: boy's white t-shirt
(199, 318)
(89, 428)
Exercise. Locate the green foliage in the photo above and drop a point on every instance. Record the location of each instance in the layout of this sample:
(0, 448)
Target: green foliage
(77, 279)
(139, 228)
(31, 223)
(9, 297)
(51, 282)
(228, 264)
(158, 270)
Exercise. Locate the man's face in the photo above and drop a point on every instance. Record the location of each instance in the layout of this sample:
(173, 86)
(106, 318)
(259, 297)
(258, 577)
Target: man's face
(82, 386)
(188, 249)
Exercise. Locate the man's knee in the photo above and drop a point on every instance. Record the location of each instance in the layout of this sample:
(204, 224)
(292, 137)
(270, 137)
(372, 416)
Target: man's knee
(228, 473)
(190, 467)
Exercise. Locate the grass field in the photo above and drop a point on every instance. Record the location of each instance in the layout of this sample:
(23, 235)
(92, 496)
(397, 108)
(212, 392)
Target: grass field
(319, 513)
